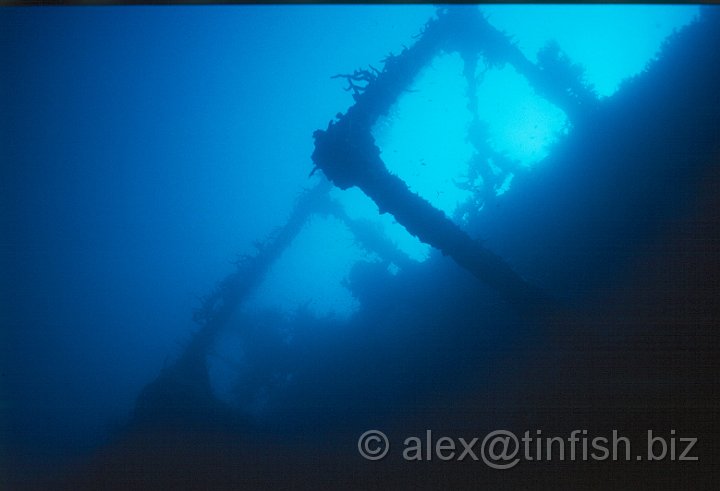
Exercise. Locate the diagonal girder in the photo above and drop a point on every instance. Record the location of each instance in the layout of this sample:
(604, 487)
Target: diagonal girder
(347, 154)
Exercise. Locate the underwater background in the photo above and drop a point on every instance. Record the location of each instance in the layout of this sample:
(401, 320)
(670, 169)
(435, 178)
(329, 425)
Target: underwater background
(158, 176)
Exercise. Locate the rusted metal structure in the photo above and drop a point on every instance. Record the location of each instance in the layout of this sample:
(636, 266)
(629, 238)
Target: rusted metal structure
(348, 156)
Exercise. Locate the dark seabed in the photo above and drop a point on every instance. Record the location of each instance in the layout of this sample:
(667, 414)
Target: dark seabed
(235, 239)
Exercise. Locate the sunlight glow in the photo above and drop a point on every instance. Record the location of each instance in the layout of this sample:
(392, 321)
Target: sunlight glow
(310, 272)
(613, 42)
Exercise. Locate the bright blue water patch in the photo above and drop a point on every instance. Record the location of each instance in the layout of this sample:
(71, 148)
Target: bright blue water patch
(310, 273)
(613, 42)
(423, 139)
(521, 125)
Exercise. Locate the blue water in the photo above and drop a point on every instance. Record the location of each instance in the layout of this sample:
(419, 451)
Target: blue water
(144, 149)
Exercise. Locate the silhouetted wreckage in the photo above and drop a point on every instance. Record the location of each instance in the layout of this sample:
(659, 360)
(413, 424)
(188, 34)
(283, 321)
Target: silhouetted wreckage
(348, 156)
(186, 383)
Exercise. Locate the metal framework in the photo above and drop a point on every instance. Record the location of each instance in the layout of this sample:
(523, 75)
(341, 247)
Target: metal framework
(348, 156)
